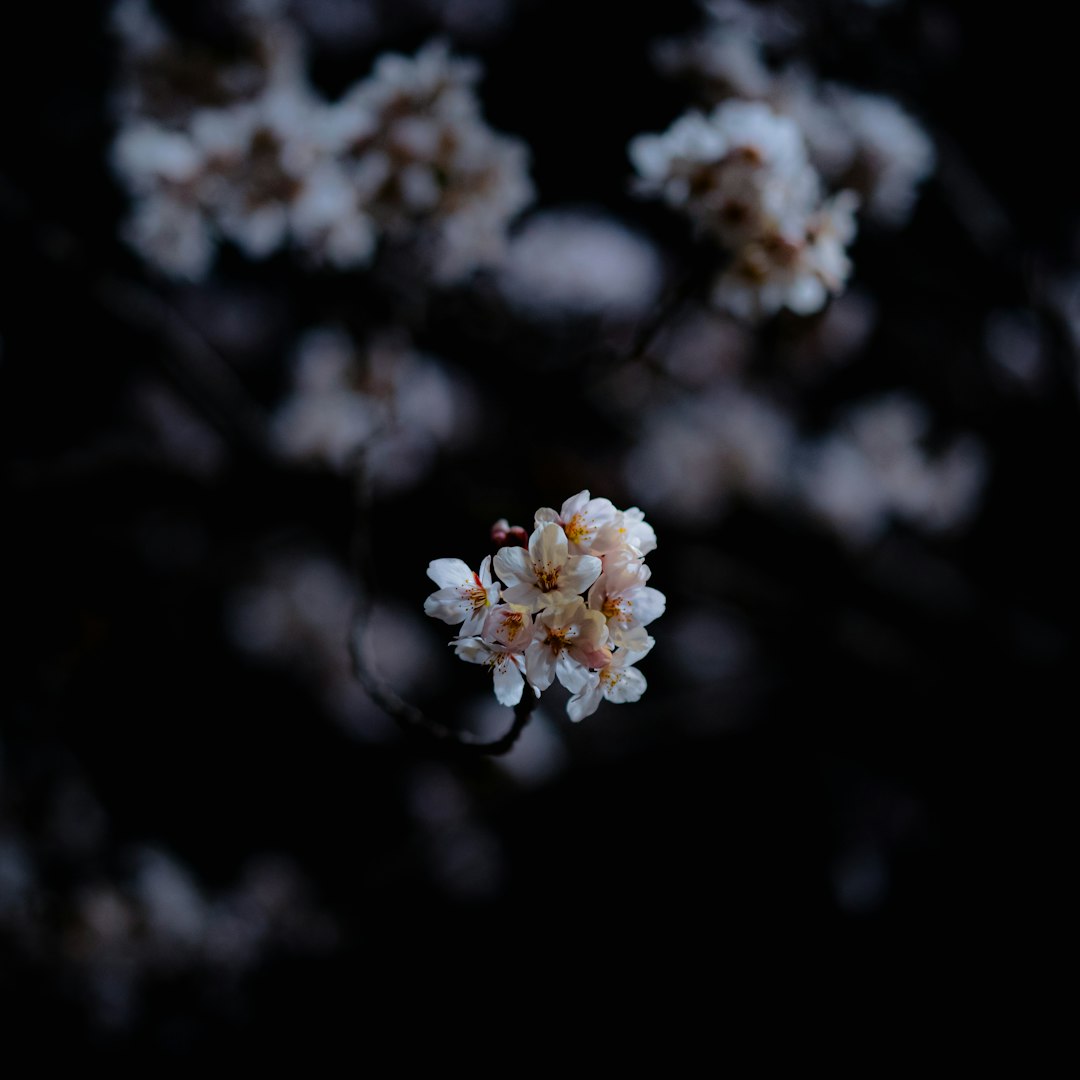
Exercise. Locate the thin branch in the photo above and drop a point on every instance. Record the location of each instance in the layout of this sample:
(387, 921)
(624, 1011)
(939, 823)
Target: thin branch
(407, 716)
(200, 372)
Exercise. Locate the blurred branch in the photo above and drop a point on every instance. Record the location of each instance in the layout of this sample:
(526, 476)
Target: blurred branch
(201, 374)
(977, 210)
(679, 292)
(408, 717)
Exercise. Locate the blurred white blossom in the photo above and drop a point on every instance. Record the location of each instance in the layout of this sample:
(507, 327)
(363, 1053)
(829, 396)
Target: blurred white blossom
(695, 454)
(298, 611)
(245, 150)
(743, 176)
(863, 141)
(873, 468)
(396, 405)
(564, 262)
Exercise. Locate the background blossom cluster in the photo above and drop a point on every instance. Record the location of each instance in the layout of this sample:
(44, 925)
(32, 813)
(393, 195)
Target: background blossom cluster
(756, 171)
(537, 626)
(248, 151)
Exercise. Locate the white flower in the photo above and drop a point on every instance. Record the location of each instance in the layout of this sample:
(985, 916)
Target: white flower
(251, 149)
(570, 263)
(543, 629)
(510, 625)
(873, 467)
(426, 168)
(505, 659)
(738, 172)
(696, 454)
(463, 595)
(797, 269)
(566, 638)
(581, 518)
(628, 528)
(546, 575)
(622, 596)
(619, 682)
(396, 405)
(890, 153)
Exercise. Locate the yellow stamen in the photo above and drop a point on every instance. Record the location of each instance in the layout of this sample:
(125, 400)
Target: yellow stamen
(546, 577)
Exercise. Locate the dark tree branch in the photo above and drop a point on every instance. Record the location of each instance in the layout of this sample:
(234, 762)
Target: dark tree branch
(407, 716)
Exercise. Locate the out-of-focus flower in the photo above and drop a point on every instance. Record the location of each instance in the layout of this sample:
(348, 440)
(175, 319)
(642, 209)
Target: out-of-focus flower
(742, 174)
(695, 455)
(424, 166)
(856, 140)
(297, 613)
(739, 172)
(874, 468)
(245, 150)
(798, 271)
(395, 405)
(573, 263)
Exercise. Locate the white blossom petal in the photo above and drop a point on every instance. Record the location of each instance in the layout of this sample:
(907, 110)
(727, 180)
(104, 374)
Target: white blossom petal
(514, 566)
(539, 665)
(548, 546)
(623, 686)
(579, 573)
(509, 682)
(586, 700)
(449, 572)
(448, 606)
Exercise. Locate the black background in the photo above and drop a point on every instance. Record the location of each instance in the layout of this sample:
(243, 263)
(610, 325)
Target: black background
(911, 699)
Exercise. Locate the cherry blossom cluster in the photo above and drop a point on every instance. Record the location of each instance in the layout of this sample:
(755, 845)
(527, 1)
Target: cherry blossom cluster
(399, 406)
(572, 605)
(246, 150)
(855, 139)
(742, 174)
(872, 468)
(776, 170)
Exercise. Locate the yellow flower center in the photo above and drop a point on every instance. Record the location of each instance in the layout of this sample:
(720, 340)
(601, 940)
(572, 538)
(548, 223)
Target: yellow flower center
(477, 594)
(547, 578)
(614, 607)
(577, 529)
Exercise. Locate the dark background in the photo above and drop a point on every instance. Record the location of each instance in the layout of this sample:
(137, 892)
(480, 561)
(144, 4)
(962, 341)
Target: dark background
(872, 788)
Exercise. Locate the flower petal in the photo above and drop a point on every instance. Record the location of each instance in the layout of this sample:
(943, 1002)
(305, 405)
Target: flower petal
(447, 573)
(627, 685)
(539, 665)
(472, 649)
(548, 547)
(586, 701)
(514, 566)
(649, 604)
(509, 682)
(448, 605)
(579, 573)
(574, 505)
(525, 595)
(474, 621)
